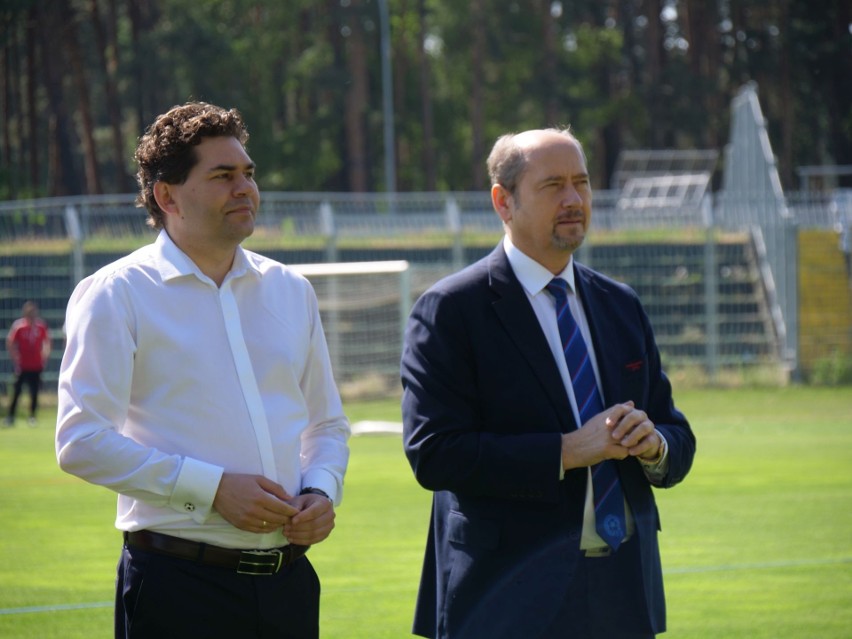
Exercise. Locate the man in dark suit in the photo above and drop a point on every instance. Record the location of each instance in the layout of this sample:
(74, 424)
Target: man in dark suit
(492, 425)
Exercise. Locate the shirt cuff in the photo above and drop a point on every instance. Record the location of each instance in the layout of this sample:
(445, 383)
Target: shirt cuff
(195, 489)
(657, 469)
(325, 481)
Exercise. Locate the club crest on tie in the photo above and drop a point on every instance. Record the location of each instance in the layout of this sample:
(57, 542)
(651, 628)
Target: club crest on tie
(612, 525)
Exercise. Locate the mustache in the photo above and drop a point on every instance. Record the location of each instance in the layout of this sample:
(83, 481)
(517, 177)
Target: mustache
(570, 216)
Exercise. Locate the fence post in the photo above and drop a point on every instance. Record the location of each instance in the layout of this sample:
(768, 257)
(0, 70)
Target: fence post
(75, 234)
(329, 230)
(404, 301)
(332, 321)
(453, 213)
(711, 293)
(790, 263)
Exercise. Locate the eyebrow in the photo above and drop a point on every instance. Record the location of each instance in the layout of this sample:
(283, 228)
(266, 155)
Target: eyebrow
(231, 167)
(561, 178)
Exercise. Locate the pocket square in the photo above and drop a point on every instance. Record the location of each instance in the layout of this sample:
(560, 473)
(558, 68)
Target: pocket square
(634, 366)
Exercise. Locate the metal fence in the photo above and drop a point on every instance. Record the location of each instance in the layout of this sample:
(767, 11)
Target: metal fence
(718, 277)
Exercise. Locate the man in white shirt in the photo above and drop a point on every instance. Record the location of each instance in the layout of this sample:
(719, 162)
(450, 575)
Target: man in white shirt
(196, 383)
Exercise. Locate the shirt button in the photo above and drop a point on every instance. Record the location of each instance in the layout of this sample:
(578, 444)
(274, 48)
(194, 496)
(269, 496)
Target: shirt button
(188, 507)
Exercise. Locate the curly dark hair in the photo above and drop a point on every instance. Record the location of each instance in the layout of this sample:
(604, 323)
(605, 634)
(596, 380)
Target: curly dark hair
(166, 152)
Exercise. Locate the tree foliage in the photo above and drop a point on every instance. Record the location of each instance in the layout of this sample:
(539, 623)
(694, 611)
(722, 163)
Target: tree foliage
(80, 79)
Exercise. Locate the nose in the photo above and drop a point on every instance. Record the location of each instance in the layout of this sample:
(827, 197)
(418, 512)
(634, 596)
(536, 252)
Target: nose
(244, 185)
(571, 197)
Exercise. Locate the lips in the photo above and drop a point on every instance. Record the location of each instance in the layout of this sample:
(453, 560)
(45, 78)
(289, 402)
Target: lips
(570, 219)
(241, 208)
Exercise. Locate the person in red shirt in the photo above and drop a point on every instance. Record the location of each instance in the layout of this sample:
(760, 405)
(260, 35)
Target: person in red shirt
(28, 343)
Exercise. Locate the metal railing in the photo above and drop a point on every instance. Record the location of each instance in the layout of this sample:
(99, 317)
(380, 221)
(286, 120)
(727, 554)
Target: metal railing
(435, 232)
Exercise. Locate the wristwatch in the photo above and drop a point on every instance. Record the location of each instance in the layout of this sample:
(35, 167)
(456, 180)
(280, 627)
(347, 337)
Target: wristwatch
(308, 490)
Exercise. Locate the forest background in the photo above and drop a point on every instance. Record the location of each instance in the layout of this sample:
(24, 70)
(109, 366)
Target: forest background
(80, 80)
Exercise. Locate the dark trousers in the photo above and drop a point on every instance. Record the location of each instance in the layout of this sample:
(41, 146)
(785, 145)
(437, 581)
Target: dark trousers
(160, 597)
(33, 381)
(605, 599)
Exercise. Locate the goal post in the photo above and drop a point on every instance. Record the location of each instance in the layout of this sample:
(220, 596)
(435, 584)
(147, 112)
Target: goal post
(364, 308)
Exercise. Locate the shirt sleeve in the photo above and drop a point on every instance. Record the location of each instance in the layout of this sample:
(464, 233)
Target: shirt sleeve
(93, 400)
(325, 451)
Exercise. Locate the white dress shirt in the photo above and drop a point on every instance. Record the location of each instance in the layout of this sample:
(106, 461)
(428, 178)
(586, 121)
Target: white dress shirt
(168, 381)
(534, 279)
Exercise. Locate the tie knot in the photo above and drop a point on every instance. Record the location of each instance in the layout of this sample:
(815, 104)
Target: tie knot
(558, 288)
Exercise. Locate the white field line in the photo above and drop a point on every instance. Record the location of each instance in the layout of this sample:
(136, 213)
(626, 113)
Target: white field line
(765, 565)
(54, 608)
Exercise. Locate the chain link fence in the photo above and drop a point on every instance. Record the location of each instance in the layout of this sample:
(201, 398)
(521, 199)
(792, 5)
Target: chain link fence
(719, 278)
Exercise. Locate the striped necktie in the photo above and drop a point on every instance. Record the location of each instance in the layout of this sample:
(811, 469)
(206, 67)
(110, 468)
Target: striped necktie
(609, 500)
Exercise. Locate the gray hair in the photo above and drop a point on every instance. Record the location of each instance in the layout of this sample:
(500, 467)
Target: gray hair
(508, 160)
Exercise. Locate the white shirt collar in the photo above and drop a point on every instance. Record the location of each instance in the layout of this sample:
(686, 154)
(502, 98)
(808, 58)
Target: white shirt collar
(532, 275)
(172, 262)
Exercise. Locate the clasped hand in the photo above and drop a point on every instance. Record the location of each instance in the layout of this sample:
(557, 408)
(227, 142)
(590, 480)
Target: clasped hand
(260, 505)
(618, 432)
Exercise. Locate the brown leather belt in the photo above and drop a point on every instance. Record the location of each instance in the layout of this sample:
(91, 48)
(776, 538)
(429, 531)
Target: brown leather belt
(245, 562)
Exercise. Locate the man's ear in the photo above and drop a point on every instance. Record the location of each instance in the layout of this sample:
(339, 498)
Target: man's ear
(500, 197)
(163, 197)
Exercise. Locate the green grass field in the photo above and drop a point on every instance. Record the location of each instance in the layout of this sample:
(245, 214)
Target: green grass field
(756, 543)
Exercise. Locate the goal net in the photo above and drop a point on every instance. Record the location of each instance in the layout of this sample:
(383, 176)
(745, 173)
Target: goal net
(364, 307)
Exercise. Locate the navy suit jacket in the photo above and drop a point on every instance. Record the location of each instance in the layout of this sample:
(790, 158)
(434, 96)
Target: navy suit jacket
(484, 408)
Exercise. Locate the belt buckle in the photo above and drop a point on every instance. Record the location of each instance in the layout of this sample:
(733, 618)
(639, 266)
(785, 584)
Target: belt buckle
(605, 551)
(260, 562)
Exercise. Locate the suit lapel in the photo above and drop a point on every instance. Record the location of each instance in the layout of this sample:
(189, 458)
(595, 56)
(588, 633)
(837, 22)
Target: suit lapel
(514, 312)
